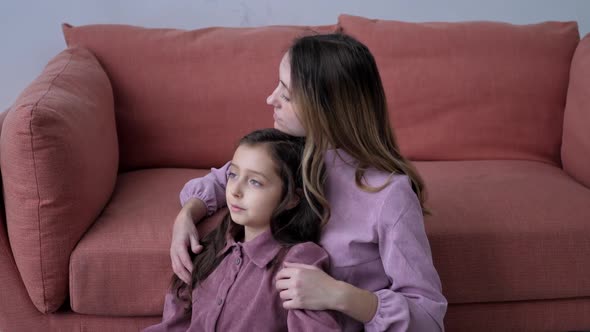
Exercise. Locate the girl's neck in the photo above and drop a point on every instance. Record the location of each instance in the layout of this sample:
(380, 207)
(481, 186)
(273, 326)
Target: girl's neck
(251, 233)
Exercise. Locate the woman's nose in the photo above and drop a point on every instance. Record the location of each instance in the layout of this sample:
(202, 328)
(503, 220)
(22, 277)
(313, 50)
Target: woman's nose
(271, 99)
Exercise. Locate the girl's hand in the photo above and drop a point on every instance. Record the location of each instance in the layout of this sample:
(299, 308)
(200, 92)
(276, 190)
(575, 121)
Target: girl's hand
(184, 234)
(304, 286)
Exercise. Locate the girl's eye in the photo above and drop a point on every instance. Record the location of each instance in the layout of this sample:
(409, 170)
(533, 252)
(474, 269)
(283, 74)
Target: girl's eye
(231, 175)
(255, 183)
(285, 98)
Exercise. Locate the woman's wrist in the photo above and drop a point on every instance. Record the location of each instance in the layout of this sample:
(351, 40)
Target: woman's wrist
(195, 209)
(355, 302)
(340, 296)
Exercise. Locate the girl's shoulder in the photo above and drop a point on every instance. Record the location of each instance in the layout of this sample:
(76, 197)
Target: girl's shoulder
(307, 253)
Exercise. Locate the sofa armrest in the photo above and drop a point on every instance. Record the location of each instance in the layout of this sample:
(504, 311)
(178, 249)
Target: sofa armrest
(18, 314)
(59, 161)
(575, 148)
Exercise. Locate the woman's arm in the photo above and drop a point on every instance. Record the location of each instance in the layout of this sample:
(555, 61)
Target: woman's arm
(210, 189)
(200, 197)
(413, 302)
(355, 302)
(306, 286)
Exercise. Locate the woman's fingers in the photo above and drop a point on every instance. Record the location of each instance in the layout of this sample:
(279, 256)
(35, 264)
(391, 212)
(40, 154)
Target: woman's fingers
(301, 266)
(179, 270)
(291, 304)
(285, 273)
(283, 284)
(195, 246)
(184, 257)
(285, 295)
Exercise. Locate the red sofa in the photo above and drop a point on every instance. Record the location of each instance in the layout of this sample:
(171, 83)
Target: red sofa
(94, 152)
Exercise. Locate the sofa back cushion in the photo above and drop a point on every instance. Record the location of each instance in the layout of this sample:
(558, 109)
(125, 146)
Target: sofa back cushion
(472, 90)
(184, 98)
(575, 151)
(59, 164)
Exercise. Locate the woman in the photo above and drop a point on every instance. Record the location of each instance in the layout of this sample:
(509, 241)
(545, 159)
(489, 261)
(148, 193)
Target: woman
(370, 197)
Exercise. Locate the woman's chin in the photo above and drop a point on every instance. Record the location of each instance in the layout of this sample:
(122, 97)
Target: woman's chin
(278, 126)
(286, 130)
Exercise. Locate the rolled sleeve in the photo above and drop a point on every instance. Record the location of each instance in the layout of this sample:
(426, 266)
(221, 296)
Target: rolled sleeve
(210, 189)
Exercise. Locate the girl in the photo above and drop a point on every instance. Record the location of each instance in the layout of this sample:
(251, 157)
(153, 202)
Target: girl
(369, 197)
(232, 287)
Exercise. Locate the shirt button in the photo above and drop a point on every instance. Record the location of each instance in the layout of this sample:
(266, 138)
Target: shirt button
(219, 301)
(238, 261)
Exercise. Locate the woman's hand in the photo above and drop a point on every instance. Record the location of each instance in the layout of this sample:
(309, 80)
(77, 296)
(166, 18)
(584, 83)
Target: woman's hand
(304, 286)
(184, 234)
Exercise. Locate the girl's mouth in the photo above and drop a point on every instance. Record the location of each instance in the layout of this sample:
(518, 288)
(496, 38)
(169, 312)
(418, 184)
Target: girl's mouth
(235, 208)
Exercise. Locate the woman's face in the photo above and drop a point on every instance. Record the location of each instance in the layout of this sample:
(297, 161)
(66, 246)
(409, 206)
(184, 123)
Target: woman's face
(286, 115)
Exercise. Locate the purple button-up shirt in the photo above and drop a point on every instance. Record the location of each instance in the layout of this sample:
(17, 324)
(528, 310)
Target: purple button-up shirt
(240, 294)
(376, 241)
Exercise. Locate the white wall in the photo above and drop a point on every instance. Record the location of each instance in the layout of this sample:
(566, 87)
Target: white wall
(31, 35)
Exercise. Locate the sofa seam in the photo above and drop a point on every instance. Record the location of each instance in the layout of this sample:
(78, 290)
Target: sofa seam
(35, 106)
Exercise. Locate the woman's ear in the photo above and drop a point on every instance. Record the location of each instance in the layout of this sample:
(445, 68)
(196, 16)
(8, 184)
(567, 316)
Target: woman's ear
(295, 199)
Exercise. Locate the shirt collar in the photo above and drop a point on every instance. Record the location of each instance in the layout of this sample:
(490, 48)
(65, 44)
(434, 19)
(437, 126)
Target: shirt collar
(261, 250)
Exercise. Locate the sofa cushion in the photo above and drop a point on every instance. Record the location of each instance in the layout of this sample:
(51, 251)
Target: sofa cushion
(473, 90)
(575, 151)
(175, 89)
(59, 164)
(500, 231)
(507, 230)
(121, 267)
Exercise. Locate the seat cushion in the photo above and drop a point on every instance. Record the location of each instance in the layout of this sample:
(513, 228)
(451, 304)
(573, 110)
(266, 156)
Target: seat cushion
(121, 267)
(507, 230)
(500, 231)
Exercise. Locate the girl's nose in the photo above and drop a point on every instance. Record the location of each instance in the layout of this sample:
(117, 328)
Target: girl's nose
(236, 192)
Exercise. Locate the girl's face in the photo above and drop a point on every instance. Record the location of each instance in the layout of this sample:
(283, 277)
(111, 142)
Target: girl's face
(286, 115)
(253, 189)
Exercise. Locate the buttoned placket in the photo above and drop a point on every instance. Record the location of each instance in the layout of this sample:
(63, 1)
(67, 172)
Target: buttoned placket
(233, 264)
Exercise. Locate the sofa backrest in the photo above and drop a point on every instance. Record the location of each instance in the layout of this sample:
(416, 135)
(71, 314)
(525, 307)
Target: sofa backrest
(473, 90)
(456, 91)
(184, 98)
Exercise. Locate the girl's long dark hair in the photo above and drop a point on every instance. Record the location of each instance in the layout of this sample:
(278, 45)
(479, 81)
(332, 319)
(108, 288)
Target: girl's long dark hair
(288, 226)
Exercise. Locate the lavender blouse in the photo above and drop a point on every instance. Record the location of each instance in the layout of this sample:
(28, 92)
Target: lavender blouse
(376, 241)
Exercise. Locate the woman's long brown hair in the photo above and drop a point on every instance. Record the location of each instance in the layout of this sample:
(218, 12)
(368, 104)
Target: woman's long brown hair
(337, 88)
(288, 226)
